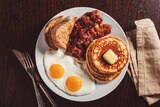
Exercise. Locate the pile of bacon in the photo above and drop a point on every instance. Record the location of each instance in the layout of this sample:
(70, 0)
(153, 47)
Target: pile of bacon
(86, 29)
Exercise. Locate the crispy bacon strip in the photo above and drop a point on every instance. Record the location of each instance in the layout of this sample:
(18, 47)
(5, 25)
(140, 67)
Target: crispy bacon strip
(86, 29)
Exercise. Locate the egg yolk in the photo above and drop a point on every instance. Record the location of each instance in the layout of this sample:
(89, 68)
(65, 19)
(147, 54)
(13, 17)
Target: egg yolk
(56, 71)
(73, 83)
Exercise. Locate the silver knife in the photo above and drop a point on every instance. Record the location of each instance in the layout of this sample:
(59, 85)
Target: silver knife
(38, 80)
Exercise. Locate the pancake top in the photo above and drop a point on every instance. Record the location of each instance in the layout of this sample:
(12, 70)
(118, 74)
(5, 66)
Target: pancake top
(94, 72)
(117, 46)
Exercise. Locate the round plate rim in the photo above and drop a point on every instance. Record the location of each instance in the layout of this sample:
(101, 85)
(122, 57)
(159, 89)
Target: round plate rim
(81, 98)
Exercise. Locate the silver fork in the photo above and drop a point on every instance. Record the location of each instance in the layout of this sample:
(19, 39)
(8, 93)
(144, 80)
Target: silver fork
(30, 68)
(27, 63)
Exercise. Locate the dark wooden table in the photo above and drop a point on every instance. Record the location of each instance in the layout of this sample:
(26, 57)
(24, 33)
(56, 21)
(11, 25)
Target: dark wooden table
(20, 24)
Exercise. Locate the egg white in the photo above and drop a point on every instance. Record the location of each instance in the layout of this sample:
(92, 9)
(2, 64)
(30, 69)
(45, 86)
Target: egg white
(71, 68)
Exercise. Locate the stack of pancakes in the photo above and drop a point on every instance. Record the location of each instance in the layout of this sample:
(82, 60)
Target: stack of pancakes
(97, 67)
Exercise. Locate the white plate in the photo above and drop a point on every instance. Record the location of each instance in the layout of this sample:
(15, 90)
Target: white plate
(101, 89)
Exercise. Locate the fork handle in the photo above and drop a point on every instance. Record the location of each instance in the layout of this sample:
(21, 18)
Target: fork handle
(38, 95)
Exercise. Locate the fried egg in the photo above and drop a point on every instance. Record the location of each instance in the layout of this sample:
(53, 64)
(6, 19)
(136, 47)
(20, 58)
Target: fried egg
(67, 74)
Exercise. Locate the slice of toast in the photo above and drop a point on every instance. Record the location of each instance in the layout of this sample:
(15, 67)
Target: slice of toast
(60, 33)
(48, 30)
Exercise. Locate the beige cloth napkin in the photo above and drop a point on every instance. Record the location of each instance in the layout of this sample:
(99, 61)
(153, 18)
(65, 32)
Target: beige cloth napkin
(144, 68)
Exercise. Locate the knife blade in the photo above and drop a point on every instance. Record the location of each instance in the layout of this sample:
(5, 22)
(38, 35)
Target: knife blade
(18, 54)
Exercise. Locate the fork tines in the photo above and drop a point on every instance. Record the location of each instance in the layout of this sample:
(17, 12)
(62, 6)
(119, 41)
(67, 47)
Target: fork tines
(27, 60)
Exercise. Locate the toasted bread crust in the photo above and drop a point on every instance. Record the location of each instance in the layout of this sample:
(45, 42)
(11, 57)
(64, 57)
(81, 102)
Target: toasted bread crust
(48, 30)
(60, 33)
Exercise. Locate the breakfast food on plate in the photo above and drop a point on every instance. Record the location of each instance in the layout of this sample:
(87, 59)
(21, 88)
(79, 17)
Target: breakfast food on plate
(67, 74)
(58, 30)
(106, 57)
(114, 45)
(60, 33)
(110, 57)
(83, 40)
(86, 29)
(51, 24)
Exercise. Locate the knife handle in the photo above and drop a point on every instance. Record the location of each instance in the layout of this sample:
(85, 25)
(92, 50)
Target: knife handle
(45, 91)
(38, 95)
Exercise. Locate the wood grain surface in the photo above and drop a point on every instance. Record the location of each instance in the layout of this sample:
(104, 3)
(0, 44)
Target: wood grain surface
(20, 24)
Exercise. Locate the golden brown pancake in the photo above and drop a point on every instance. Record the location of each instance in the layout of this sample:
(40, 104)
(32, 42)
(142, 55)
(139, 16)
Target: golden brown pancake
(93, 71)
(103, 45)
(101, 78)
